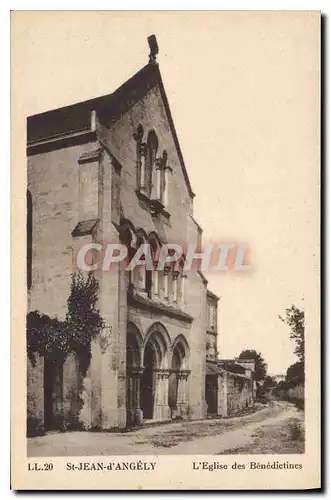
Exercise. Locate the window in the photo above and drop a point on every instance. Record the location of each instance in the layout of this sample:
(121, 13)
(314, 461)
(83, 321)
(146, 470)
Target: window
(140, 277)
(154, 242)
(152, 146)
(152, 172)
(141, 157)
(164, 180)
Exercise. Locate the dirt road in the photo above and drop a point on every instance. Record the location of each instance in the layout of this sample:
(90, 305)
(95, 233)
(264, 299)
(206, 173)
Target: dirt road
(277, 428)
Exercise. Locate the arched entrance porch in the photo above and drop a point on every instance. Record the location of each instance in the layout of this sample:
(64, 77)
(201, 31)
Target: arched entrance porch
(155, 375)
(133, 375)
(178, 380)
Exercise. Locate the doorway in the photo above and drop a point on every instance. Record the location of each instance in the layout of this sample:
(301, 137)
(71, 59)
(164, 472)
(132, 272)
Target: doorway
(147, 386)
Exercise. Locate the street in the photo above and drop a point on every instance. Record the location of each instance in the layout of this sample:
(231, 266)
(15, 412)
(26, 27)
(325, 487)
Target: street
(275, 428)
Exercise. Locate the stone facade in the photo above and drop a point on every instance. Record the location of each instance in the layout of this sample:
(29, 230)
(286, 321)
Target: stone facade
(111, 170)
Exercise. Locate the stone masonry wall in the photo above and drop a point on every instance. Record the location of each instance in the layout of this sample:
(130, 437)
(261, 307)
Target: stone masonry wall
(55, 185)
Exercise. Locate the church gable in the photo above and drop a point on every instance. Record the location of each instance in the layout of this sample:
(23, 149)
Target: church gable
(143, 142)
(143, 95)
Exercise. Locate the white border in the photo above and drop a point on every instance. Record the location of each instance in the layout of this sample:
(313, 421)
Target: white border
(5, 7)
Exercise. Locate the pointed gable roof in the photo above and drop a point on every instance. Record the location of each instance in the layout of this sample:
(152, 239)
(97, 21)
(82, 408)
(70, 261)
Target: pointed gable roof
(48, 129)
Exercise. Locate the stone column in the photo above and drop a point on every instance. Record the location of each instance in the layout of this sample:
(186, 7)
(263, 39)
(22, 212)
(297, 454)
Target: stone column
(155, 281)
(175, 294)
(140, 278)
(138, 414)
(129, 400)
(166, 409)
(162, 411)
(166, 283)
(182, 396)
(158, 396)
(183, 290)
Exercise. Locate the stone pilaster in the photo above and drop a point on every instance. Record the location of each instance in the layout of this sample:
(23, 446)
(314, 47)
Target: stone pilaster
(161, 408)
(222, 395)
(134, 412)
(88, 185)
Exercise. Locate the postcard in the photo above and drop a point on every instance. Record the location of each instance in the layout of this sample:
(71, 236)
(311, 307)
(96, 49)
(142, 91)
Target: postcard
(165, 250)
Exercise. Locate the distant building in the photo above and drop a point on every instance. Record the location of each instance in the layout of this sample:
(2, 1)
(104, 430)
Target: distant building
(279, 378)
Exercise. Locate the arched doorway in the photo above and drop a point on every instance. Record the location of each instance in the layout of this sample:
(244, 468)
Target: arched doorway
(148, 382)
(178, 380)
(176, 364)
(133, 374)
(155, 376)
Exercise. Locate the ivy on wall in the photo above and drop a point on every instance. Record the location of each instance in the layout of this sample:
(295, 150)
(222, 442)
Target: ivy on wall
(55, 339)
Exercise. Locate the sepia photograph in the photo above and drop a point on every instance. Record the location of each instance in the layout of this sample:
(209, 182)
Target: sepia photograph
(170, 229)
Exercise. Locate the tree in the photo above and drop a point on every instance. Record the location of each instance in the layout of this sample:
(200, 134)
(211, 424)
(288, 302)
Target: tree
(295, 374)
(295, 319)
(260, 365)
(268, 383)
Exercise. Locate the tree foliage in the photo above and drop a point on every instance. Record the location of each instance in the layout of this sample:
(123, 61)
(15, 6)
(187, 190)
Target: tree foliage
(269, 383)
(295, 374)
(295, 319)
(83, 317)
(260, 364)
(46, 336)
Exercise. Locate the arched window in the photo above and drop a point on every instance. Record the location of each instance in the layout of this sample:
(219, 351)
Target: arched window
(164, 179)
(154, 243)
(152, 146)
(141, 277)
(141, 157)
(29, 239)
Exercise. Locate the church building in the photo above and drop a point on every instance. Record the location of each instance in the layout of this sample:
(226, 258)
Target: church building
(110, 169)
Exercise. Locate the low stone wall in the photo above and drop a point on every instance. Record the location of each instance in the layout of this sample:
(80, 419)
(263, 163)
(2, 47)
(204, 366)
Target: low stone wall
(35, 396)
(235, 394)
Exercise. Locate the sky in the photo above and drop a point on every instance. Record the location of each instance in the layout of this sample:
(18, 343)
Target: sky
(243, 90)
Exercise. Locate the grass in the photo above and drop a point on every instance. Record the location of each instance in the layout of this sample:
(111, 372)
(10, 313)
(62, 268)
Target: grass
(288, 437)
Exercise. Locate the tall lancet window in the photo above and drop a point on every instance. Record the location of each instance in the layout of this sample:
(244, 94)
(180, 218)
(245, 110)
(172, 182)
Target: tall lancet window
(29, 239)
(152, 145)
(141, 157)
(164, 180)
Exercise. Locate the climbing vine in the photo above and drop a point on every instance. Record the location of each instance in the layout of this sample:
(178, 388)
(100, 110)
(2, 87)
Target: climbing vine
(55, 339)
(83, 318)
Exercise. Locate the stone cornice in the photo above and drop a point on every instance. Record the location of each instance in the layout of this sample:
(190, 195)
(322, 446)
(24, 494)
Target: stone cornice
(60, 141)
(90, 156)
(155, 207)
(150, 305)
